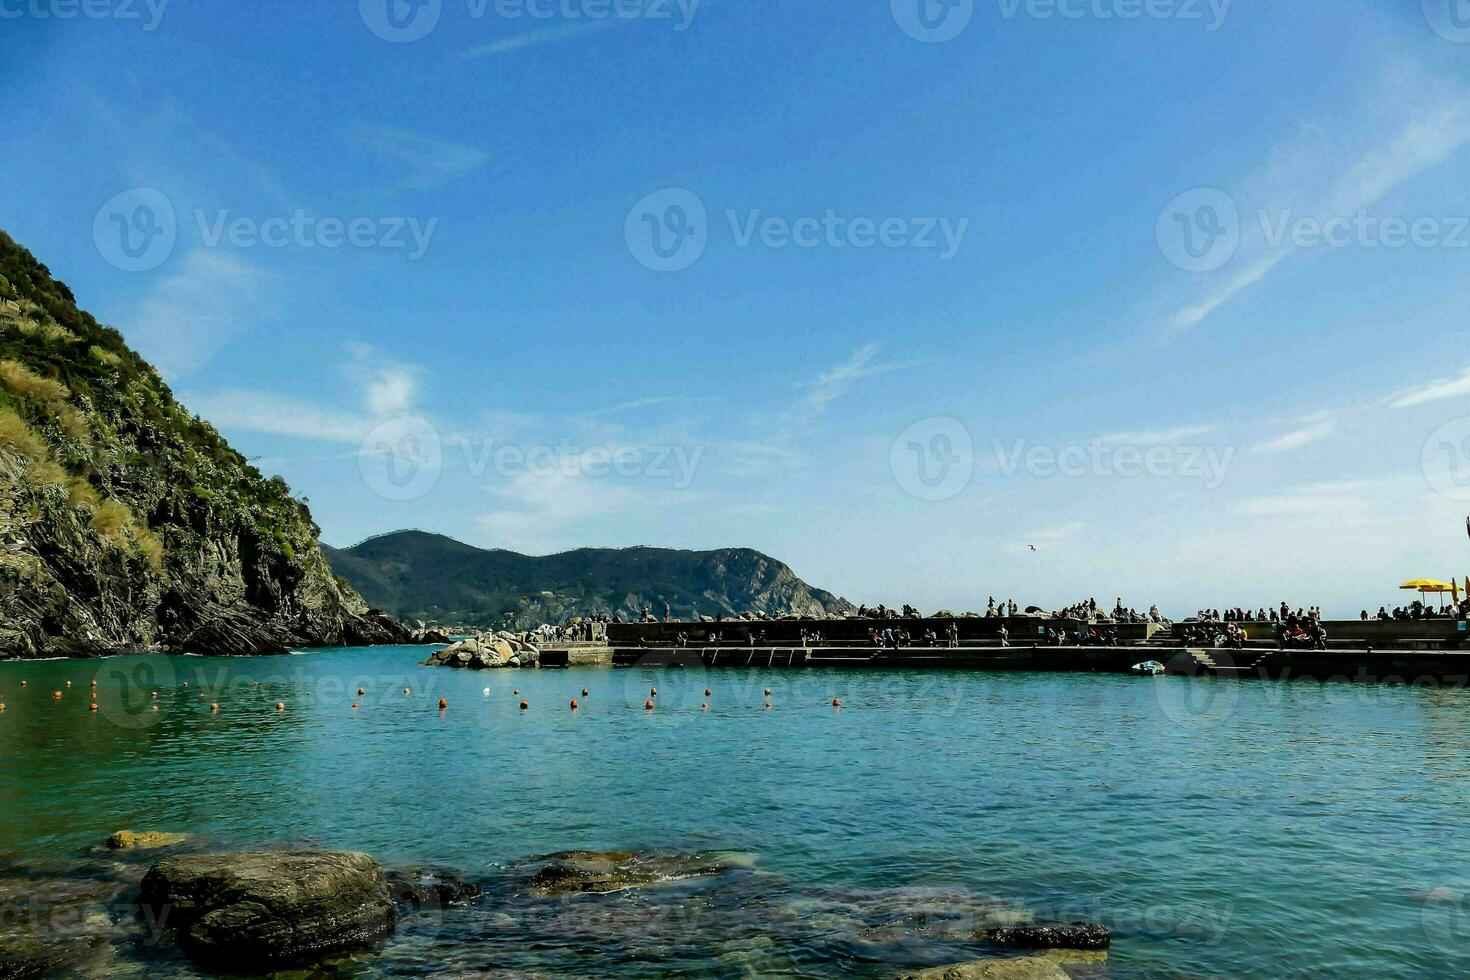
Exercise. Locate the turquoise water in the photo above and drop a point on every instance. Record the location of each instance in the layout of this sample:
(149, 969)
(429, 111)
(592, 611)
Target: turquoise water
(1223, 828)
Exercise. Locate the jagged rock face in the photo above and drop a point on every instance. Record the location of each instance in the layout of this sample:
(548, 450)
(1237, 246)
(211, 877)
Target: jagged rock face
(126, 523)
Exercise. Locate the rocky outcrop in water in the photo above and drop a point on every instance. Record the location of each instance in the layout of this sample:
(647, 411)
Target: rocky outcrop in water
(490, 651)
(127, 523)
(269, 907)
(1074, 935)
(597, 872)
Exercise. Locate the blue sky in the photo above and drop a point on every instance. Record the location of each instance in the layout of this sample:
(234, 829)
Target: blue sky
(935, 305)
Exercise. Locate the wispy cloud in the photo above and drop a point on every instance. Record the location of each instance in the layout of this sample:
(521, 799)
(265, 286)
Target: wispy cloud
(193, 313)
(534, 39)
(1432, 391)
(1317, 500)
(253, 410)
(388, 387)
(1308, 177)
(430, 162)
(1312, 428)
(1158, 437)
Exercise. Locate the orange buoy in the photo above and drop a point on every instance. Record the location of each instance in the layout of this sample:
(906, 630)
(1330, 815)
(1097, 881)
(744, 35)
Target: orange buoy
(836, 702)
(355, 706)
(92, 707)
(56, 695)
(2, 705)
(648, 705)
(524, 705)
(443, 703)
(360, 692)
(574, 704)
(213, 707)
(280, 706)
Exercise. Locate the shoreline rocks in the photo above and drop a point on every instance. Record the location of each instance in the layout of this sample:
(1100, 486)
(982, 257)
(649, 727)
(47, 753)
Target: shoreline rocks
(126, 840)
(269, 907)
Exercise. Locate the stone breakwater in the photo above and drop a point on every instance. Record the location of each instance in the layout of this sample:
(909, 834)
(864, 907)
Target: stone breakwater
(489, 651)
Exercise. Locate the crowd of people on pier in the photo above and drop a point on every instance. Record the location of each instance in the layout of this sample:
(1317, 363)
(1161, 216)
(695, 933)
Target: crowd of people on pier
(1421, 610)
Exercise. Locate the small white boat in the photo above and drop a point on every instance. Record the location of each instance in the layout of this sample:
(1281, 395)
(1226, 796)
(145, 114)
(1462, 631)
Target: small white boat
(1148, 667)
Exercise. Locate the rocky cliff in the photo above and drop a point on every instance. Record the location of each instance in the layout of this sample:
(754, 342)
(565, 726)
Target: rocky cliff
(128, 524)
(417, 575)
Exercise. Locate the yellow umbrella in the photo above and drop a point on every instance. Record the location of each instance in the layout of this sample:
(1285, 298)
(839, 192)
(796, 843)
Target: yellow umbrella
(1424, 585)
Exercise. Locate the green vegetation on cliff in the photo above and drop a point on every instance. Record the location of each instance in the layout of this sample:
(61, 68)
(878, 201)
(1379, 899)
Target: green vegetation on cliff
(127, 523)
(415, 575)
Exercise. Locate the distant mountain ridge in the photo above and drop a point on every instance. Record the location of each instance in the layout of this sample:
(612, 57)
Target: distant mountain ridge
(420, 575)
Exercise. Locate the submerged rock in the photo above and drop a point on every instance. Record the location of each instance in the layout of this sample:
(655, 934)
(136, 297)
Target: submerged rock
(269, 907)
(1054, 965)
(413, 889)
(1074, 935)
(127, 839)
(598, 872)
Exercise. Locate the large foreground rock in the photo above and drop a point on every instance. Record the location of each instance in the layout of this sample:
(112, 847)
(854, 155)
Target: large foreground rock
(269, 907)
